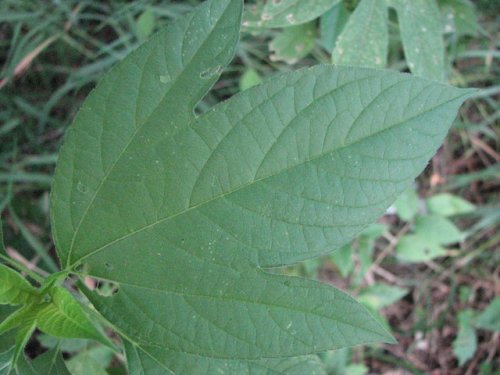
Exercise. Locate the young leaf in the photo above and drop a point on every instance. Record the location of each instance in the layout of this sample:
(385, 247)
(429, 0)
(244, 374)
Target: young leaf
(93, 361)
(145, 24)
(365, 38)
(15, 289)
(63, 317)
(249, 79)
(414, 248)
(407, 204)
(437, 229)
(50, 362)
(465, 344)
(379, 296)
(343, 260)
(180, 212)
(421, 33)
(449, 205)
(286, 13)
(490, 318)
(54, 312)
(293, 43)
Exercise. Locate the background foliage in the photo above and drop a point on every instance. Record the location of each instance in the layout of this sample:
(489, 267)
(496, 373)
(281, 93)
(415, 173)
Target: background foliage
(428, 269)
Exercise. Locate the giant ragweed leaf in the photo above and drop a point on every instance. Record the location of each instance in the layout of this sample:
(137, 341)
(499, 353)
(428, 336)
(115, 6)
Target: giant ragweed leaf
(180, 211)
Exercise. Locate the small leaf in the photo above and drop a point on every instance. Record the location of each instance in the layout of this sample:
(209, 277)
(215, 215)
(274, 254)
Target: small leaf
(357, 369)
(145, 24)
(449, 205)
(336, 361)
(421, 33)
(342, 258)
(331, 25)
(407, 205)
(365, 38)
(374, 231)
(285, 13)
(465, 344)
(414, 248)
(459, 16)
(63, 317)
(51, 362)
(490, 318)
(15, 289)
(437, 229)
(92, 361)
(249, 79)
(293, 43)
(379, 296)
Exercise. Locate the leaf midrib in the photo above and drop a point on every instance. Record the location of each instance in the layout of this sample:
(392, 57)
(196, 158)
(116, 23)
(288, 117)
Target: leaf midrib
(319, 156)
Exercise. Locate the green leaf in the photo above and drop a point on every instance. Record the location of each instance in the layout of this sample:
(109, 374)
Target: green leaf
(23, 335)
(141, 362)
(357, 369)
(293, 43)
(379, 296)
(465, 344)
(449, 205)
(64, 317)
(182, 213)
(331, 25)
(365, 38)
(55, 312)
(490, 318)
(407, 204)
(91, 361)
(249, 79)
(285, 13)
(414, 248)
(459, 16)
(51, 362)
(145, 24)
(65, 345)
(336, 361)
(438, 229)
(7, 341)
(343, 260)
(15, 289)
(421, 33)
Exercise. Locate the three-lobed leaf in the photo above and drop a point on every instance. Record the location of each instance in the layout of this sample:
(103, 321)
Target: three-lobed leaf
(181, 211)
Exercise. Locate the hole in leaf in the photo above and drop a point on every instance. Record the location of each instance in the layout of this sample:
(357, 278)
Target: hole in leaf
(104, 288)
